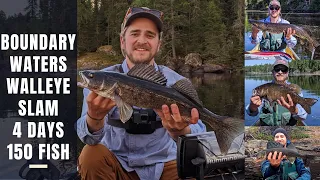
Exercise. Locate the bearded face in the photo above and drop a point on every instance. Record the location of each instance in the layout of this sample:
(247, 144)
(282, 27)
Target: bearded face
(141, 41)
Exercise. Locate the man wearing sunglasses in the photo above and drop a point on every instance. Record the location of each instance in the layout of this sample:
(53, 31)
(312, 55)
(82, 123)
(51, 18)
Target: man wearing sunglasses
(274, 42)
(136, 149)
(285, 113)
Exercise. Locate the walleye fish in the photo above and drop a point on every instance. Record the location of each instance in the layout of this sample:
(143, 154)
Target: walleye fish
(291, 153)
(285, 151)
(278, 28)
(272, 92)
(145, 87)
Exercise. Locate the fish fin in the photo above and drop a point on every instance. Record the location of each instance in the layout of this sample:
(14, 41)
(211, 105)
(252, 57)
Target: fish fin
(110, 93)
(273, 144)
(125, 110)
(148, 73)
(231, 128)
(297, 89)
(308, 103)
(185, 87)
(315, 43)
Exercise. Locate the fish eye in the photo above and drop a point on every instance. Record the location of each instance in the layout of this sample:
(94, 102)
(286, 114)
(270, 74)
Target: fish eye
(91, 75)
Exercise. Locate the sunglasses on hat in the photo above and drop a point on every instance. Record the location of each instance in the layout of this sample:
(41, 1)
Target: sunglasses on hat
(134, 10)
(274, 7)
(281, 68)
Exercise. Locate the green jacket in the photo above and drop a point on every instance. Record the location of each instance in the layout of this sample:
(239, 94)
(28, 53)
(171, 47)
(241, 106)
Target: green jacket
(273, 42)
(275, 115)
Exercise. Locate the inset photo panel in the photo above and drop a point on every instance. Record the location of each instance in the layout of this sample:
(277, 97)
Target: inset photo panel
(160, 89)
(282, 67)
(287, 152)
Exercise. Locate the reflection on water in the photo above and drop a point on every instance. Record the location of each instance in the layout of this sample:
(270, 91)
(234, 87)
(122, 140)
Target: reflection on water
(309, 21)
(220, 93)
(309, 84)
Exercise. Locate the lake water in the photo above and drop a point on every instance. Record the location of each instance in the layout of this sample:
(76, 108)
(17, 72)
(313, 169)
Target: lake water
(309, 21)
(305, 82)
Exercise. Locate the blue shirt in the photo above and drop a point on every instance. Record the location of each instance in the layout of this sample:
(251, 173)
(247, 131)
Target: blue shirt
(301, 112)
(291, 43)
(143, 153)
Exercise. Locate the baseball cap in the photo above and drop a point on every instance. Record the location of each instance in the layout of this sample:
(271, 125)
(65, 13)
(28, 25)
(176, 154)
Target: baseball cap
(143, 12)
(274, 2)
(281, 61)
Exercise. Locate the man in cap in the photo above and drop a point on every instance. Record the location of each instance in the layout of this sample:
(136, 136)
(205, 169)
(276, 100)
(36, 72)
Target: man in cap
(134, 150)
(277, 166)
(274, 42)
(288, 112)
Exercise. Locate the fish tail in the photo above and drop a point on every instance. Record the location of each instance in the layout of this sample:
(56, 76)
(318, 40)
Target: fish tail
(315, 43)
(311, 101)
(226, 131)
(308, 102)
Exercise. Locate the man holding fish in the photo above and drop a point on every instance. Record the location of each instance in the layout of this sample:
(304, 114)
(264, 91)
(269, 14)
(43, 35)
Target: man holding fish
(278, 102)
(278, 166)
(124, 156)
(271, 41)
(125, 141)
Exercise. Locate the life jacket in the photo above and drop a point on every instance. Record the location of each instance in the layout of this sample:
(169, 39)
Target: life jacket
(273, 42)
(287, 171)
(274, 115)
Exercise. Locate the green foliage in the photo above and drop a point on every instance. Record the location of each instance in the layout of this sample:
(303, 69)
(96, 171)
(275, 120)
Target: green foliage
(286, 5)
(297, 66)
(263, 136)
(298, 133)
(260, 133)
(265, 133)
(315, 5)
(32, 9)
(212, 28)
(265, 68)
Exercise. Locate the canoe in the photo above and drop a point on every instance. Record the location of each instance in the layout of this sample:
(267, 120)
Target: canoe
(299, 123)
(256, 54)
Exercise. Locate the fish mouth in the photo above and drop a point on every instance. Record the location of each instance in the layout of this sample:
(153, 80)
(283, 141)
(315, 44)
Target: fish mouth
(255, 92)
(253, 22)
(85, 80)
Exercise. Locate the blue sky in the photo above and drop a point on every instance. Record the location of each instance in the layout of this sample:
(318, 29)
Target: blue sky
(257, 62)
(11, 7)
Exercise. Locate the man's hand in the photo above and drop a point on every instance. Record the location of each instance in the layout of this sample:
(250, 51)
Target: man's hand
(255, 102)
(275, 158)
(289, 105)
(98, 107)
(289, 33)
(176, 124)
(254, 32)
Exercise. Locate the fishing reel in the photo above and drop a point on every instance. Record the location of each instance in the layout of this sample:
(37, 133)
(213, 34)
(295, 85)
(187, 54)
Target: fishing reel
(199, 156)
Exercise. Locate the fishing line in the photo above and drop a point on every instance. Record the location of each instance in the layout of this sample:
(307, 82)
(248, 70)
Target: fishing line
(207, 148)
